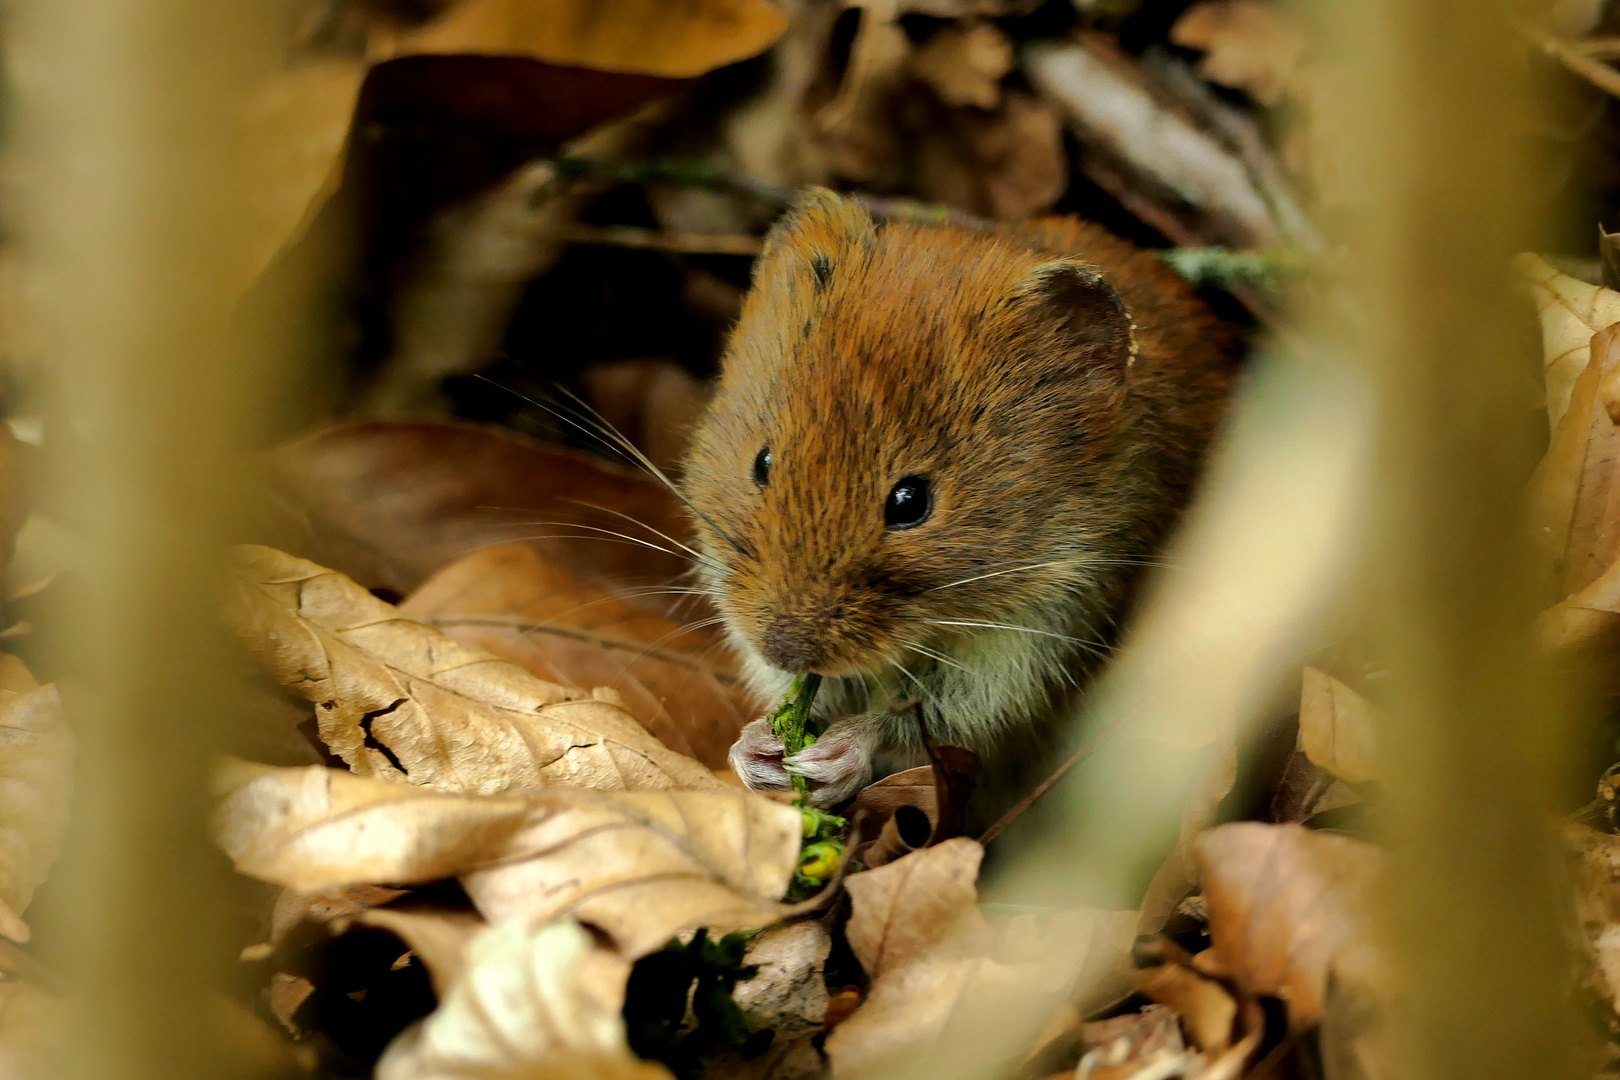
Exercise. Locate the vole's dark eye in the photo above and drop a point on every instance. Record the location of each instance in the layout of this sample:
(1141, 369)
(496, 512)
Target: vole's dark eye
(762, 466)
(908, 503)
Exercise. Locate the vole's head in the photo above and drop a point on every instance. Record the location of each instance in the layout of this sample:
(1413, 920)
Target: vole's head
(916, 428)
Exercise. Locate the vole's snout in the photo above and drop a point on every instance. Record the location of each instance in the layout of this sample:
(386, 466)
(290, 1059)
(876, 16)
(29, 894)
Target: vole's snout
(793, 644)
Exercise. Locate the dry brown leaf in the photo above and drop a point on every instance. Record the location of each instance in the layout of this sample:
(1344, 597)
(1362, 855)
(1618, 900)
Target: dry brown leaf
(641, 866)
(916, 928)
(673, 38)
(656, 403)
(678, 682)
(1286, 907)
(964, 63)
(297, 124)
(1337, 727)
(1008, 164)
(1248, 45)
(1571, 311)
(389, 503)
(36, 785)
(398, 699)
(537, 1003)
(856, 127)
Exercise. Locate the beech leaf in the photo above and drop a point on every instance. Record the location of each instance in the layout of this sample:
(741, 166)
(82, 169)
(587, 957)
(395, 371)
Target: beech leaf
(535, 1004)
(397, 699)
(916, 928)
(512, 601)
(1286, 907)
(641, 866)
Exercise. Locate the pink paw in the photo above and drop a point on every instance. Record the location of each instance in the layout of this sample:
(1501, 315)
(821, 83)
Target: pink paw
(756, 758)
(839, 764)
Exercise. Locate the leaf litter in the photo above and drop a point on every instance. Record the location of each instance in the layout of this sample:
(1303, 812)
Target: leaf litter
(527, 814)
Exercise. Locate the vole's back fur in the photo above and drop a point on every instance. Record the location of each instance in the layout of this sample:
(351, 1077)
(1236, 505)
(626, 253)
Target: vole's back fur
(1056, 387)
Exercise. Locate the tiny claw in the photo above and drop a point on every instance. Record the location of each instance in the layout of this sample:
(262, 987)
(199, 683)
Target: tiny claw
(838, 763)
(756, 758)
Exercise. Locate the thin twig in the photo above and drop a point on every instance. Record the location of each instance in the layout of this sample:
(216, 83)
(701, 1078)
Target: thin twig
(1573, 57)
(1085, 751)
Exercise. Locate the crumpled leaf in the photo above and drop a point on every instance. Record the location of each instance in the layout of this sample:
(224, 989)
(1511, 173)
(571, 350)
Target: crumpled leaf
(1571, 311)
(1287, 907)
(1337, 728)
(391, 502)
(787, 994)
(538, 1003)
(511, 601)
(673, 38)
(397, 699)
(642, 866)
(440, 937)
(36, 785)
(1247, 44)
(916, 928)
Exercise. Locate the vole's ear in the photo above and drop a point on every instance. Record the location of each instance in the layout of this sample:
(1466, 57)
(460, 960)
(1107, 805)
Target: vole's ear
(820, 227)
(1071, 301)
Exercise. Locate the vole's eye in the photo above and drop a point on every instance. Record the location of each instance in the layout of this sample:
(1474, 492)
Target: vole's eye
(908, 503)
(762, 466)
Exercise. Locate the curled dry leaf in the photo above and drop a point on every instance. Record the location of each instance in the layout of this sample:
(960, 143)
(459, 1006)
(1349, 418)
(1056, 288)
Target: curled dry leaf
(398, 699)
(1571, 311)
(641, 866)
(916, 928)
(653, 37)
(439, 936)
(1247, 44)
(511, 601)
(538, 1003)
(36, 784)
(1337, 727)
(1287, 906)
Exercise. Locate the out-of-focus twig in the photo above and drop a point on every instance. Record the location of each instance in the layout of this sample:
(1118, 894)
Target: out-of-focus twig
(656, 240)
(1576, 58)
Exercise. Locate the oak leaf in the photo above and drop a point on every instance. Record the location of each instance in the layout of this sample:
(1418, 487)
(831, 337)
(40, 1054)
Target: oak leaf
(642, 866)
(36, 784)
(510, 600)
(533, 1003)
(1287, 907)
(397, 699)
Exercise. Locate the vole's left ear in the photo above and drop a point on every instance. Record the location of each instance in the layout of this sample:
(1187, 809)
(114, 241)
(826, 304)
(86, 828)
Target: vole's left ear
(1071, 301)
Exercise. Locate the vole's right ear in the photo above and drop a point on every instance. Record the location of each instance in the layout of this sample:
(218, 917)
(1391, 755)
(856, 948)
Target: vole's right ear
(820, 227)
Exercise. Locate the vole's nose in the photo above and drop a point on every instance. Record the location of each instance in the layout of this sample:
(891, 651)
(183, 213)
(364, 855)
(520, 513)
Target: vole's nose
(793, 645)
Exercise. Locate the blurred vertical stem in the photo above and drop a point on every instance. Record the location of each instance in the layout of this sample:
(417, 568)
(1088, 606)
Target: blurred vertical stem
(1442, 106)
(130, 226)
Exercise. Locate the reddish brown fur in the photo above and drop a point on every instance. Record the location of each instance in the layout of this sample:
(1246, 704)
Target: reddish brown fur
(951, 354)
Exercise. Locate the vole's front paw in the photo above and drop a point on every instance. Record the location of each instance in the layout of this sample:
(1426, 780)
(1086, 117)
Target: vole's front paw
(756, 758)
(839, 763)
